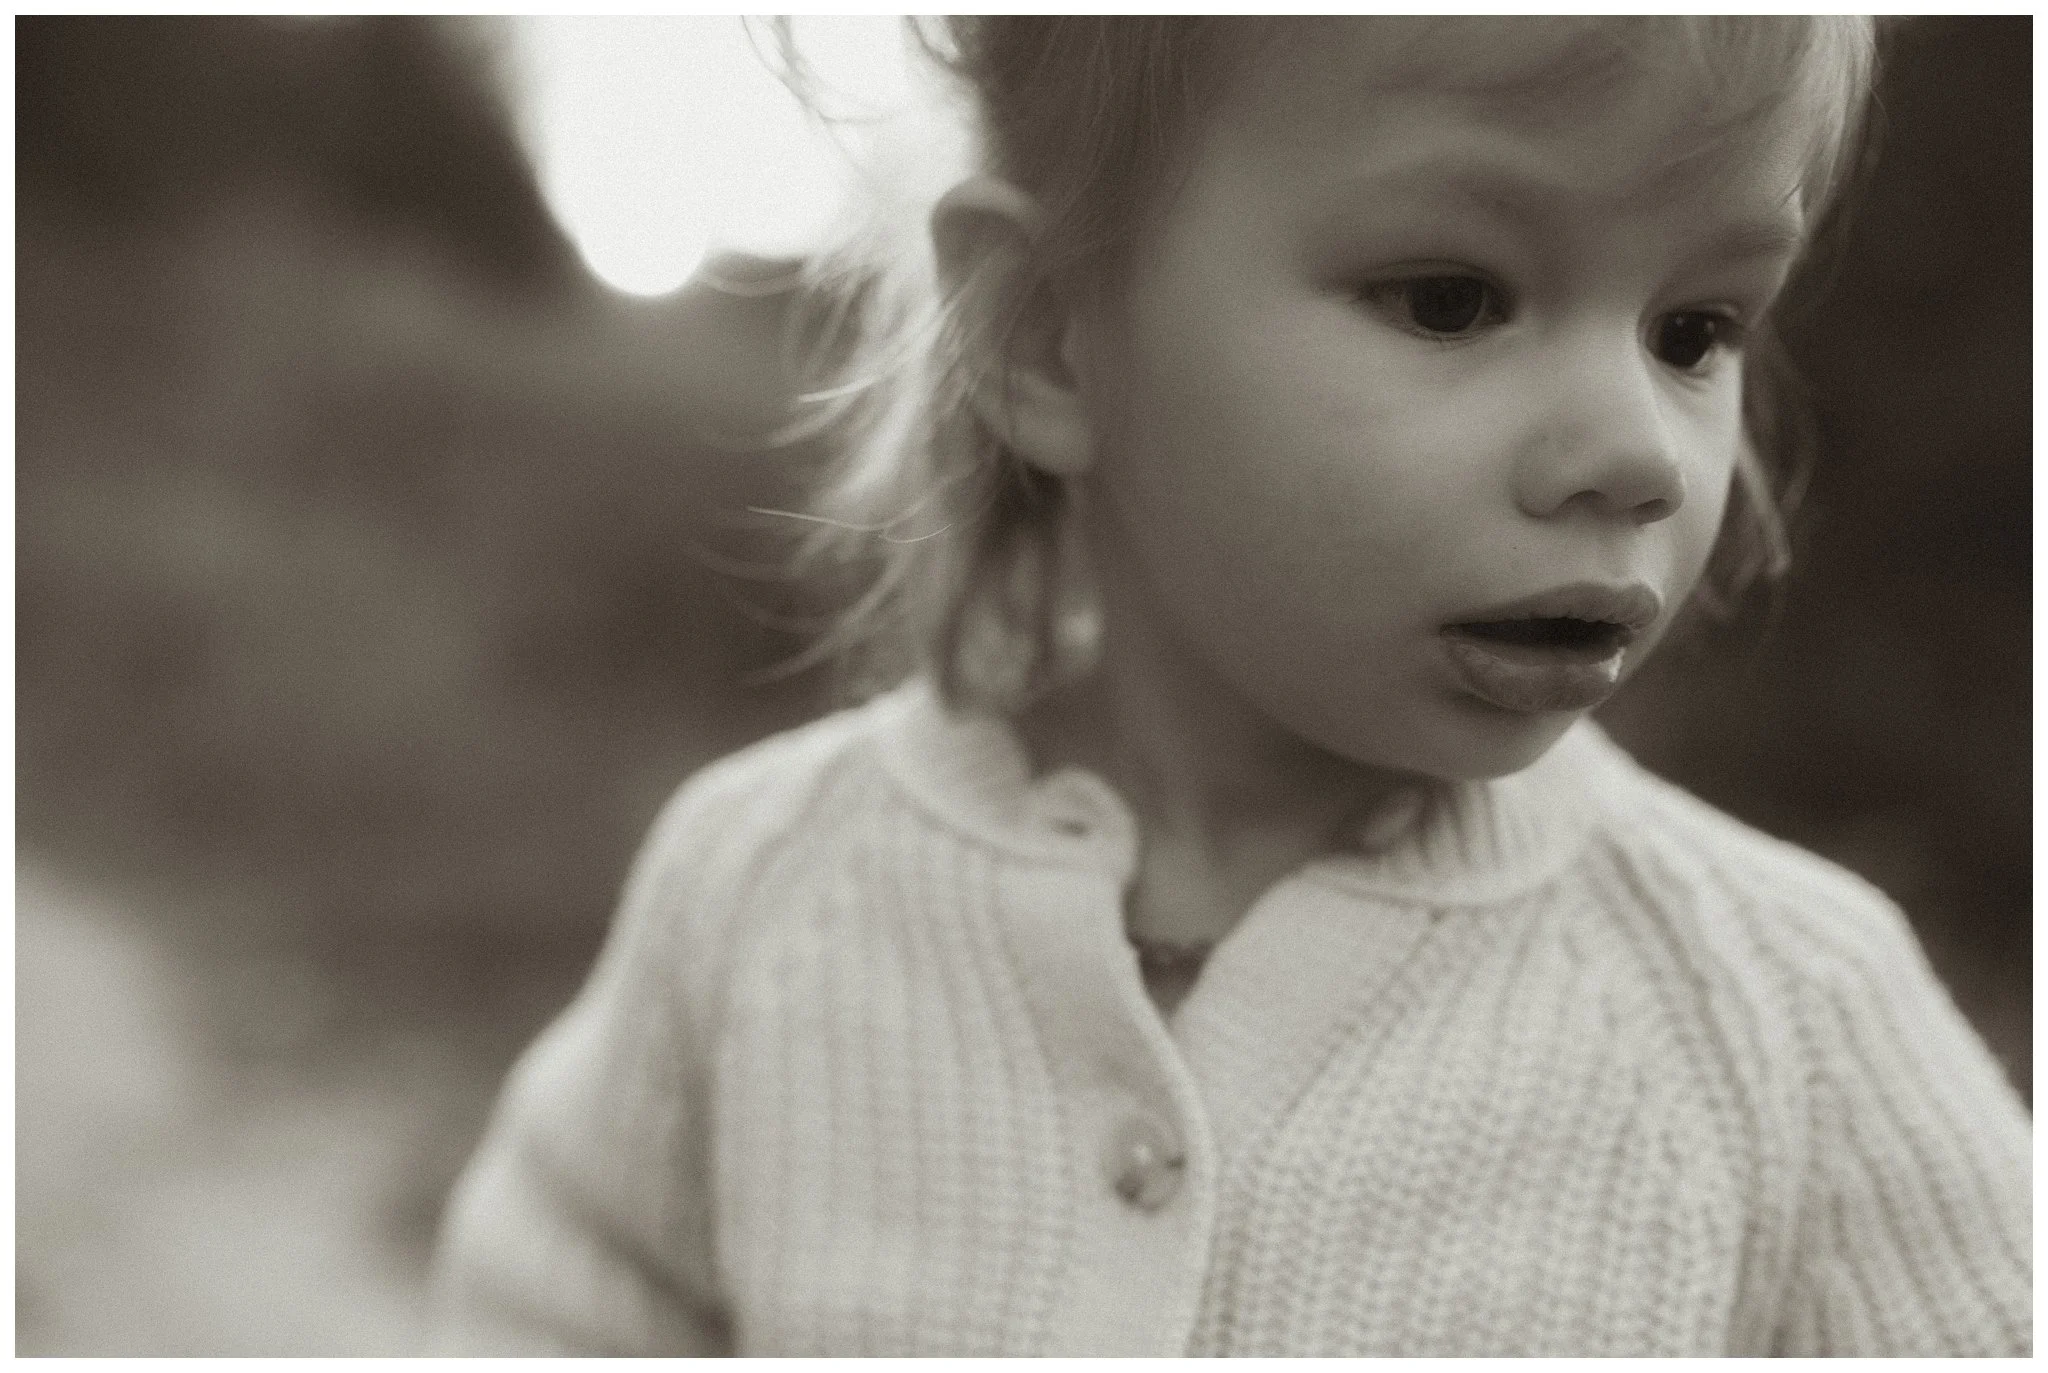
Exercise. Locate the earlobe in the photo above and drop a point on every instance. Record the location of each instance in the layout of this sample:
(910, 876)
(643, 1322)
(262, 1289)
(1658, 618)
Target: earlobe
(984, 231)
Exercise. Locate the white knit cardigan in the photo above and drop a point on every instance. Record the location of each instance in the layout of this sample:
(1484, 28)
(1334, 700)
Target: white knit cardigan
(1577, 1066)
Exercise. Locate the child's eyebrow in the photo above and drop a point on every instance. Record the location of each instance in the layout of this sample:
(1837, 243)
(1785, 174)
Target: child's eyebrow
(1505, 192)
(1781, 236)
(1488, 187)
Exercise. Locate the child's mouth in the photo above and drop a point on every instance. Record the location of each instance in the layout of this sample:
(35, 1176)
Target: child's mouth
(1539, 663)
(1554, 635)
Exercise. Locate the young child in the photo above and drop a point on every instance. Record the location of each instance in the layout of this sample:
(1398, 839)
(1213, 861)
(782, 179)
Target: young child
(1231, 938)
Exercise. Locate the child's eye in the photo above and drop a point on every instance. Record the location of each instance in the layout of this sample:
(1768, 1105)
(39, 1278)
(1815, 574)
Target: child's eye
(1444, 306)
(1687, 338)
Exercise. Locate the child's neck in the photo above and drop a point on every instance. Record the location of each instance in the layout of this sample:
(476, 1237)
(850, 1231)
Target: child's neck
(1227, 802)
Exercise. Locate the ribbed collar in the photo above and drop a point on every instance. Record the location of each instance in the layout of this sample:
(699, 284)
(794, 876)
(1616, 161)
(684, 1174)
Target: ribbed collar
(1469, 843)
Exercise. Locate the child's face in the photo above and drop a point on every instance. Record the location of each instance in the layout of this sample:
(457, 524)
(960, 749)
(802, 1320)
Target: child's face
(1394, 361)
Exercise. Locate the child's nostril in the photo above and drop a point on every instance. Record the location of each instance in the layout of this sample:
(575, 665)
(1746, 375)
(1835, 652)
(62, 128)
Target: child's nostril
(1649, 512)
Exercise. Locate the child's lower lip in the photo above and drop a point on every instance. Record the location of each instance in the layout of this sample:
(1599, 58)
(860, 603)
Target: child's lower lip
(1530, 679)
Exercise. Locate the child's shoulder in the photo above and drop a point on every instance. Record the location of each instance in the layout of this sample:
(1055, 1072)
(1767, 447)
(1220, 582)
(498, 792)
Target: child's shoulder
(762, 794)
(1722, 881)
(723, 827)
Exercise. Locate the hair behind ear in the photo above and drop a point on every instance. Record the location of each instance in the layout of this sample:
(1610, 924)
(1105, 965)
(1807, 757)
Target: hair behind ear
(1015, 325)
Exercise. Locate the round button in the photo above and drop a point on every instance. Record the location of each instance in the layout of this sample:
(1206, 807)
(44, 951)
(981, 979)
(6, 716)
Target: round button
(1144, 1164)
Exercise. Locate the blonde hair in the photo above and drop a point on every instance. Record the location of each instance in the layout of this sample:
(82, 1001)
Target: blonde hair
(970, 566)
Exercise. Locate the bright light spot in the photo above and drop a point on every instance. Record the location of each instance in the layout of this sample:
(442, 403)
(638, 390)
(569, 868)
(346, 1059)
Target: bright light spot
(656, 140)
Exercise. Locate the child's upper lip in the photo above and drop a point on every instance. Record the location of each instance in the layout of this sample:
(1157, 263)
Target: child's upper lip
(1634, 606)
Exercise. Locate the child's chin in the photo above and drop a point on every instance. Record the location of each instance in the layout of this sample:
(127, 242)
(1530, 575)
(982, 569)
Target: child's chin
(1497, 745)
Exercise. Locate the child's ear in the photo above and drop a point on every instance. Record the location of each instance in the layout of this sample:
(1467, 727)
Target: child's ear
(983, 231)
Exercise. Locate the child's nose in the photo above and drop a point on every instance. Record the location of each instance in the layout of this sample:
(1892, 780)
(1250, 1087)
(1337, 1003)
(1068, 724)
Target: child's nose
(1606, 446)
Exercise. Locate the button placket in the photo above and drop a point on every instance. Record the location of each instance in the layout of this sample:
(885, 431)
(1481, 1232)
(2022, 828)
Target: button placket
(1133, 1277)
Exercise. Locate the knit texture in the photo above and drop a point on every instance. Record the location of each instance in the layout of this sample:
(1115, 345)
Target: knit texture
(1576, 1065)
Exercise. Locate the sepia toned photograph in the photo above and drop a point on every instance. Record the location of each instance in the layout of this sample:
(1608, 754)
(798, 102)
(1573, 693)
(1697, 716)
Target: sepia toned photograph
(857, 685)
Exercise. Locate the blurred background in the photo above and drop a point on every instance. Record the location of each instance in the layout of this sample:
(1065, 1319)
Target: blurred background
(379, 446)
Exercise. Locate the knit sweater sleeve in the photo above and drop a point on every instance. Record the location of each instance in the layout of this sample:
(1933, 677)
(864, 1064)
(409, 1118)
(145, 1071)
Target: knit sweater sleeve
(581, 1226)
(1915, 1232)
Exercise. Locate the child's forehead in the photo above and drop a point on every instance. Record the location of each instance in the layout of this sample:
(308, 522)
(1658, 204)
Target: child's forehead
(1683, 89)
(1528, 62)
(1511, 57)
